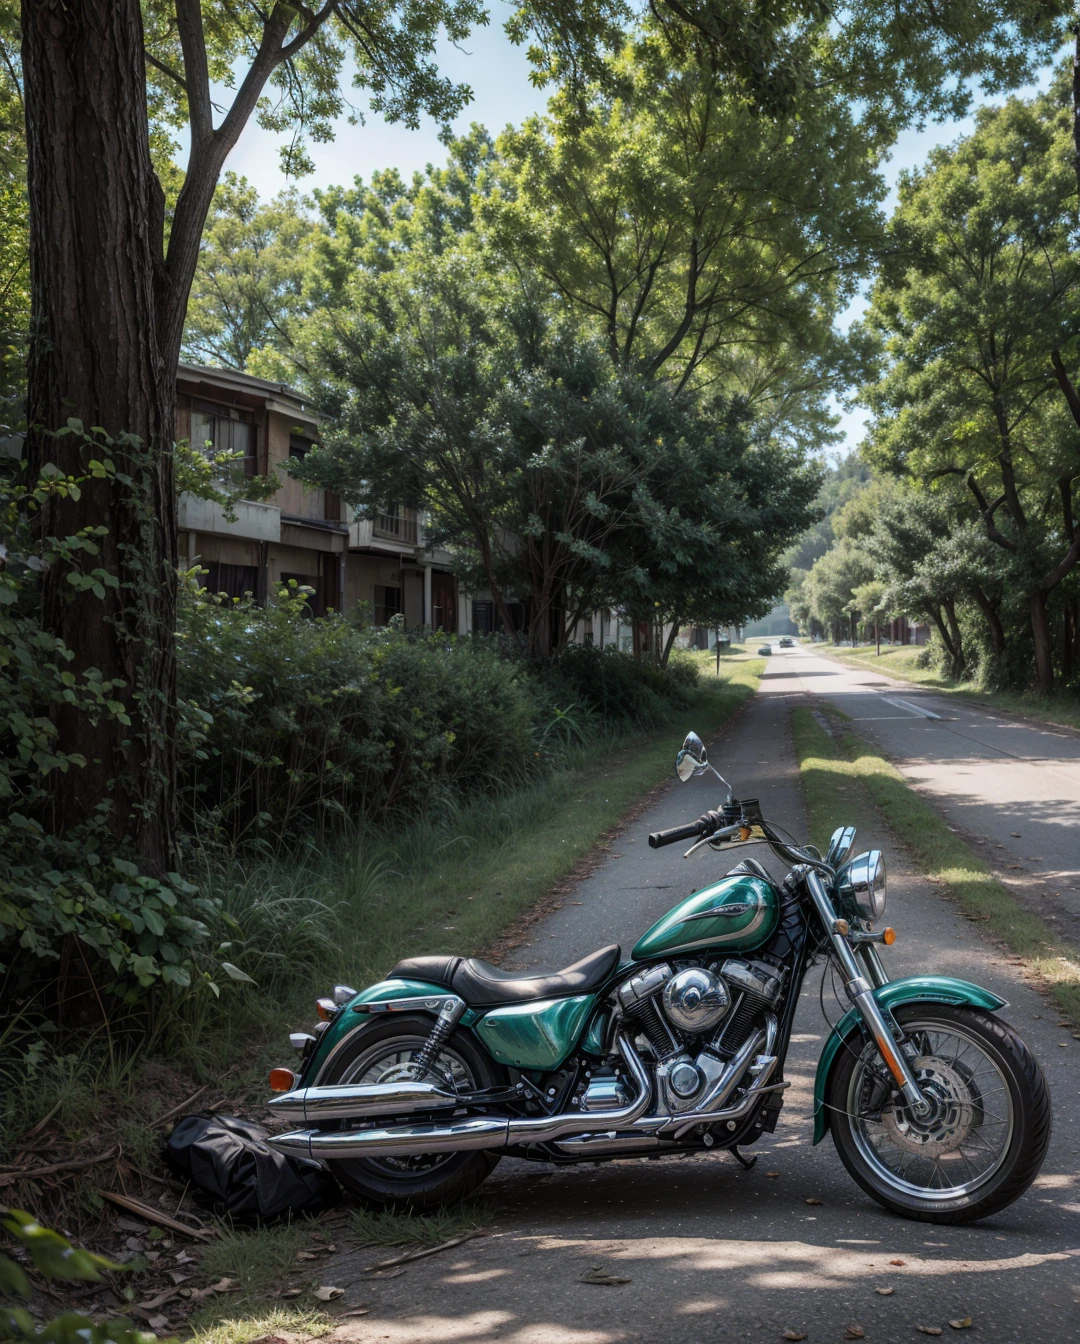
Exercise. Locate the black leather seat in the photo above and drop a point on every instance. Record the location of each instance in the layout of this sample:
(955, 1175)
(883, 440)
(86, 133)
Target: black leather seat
(484, 986)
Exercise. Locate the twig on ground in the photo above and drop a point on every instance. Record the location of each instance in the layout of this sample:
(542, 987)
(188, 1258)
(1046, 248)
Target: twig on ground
(10, 1174)
(162, 1119)
(33, 1133)
(153, 1215)
(420, 1255)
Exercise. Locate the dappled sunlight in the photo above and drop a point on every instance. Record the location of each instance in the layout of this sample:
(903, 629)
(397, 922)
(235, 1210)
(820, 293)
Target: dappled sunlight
(502, 1326)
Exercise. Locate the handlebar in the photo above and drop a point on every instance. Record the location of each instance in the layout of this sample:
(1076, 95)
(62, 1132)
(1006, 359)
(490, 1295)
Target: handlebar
(675, 834)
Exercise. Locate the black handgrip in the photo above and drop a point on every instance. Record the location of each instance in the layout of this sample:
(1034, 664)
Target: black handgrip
(677, 833)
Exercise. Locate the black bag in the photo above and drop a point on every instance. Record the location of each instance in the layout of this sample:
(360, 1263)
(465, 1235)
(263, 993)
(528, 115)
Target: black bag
(230, 1161)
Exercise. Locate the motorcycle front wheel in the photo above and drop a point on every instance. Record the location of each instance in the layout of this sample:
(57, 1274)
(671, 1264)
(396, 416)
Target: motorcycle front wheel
(385, 1053)
(986, 1135)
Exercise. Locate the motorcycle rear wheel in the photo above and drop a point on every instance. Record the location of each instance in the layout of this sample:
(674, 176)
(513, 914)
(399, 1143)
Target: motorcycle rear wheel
(988, 1134)
(382, 1053)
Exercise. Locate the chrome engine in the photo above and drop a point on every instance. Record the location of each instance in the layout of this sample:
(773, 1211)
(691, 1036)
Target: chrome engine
(697, 1022)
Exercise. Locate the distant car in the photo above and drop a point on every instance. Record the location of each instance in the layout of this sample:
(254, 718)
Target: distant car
(765, 651)
(787, 642)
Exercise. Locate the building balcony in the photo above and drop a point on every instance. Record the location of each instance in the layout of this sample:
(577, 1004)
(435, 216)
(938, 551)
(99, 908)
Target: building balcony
(400, 526)
(253, 522)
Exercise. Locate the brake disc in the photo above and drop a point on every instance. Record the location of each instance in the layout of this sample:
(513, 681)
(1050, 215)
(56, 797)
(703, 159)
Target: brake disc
(952, 1111)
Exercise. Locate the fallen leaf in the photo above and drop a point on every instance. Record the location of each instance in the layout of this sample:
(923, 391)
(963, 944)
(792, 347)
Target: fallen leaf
(159, 1299)
(305, 1255)
(792, 1334)
(598, 1274)
(1015, 834)
(813, 1201)
(182, 1258)
(363, 1311)
(292, 1292)
(897, 1262)
(225, 1286)
(326, 1294)
(385, 1273)
(772, 1175)
(963, 1324)
(929, 1329)
(884, 1292)
(854, 1332)
(177, 1277)
(130, 1225)
(158, 1322)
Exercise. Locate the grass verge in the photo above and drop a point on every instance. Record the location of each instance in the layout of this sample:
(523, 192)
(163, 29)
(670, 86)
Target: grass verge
(842, 778)
(900, 661)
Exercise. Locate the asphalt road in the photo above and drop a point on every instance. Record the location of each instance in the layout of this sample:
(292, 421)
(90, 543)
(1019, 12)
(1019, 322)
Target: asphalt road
(714, 1253)
(1011, 787)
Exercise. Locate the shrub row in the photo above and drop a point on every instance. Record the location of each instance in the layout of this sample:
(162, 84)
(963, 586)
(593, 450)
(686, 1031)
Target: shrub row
(295, 727)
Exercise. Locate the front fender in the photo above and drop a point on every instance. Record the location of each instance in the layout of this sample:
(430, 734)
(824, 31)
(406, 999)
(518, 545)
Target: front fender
(346, 1022)
(914, 989)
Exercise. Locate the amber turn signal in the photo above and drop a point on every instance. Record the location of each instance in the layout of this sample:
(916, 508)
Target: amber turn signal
(888, 937)
(326, 1009)
(282, 1080)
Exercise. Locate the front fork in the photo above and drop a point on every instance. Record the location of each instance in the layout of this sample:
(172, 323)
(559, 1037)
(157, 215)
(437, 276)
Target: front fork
(861, 994)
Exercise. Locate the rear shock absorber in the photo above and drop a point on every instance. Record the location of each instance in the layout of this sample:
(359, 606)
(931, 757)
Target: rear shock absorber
(428, 1054)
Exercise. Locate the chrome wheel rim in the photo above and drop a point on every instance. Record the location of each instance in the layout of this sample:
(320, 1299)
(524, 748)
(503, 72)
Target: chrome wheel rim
(394, 1062)
(964, 1140)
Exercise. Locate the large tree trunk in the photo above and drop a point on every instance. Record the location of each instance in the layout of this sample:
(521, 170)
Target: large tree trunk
(95, 258)
(1043, 642)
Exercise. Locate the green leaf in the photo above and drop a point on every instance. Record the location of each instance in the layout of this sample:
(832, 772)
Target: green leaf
(235, 973)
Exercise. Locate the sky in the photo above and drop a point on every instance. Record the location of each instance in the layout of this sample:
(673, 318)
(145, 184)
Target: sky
(498, 73)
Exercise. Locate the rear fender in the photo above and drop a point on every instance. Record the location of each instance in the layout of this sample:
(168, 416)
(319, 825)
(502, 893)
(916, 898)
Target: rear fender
(347, 1021)
(915, 989)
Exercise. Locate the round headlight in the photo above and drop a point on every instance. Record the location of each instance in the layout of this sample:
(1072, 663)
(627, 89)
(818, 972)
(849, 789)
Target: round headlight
(862, 881)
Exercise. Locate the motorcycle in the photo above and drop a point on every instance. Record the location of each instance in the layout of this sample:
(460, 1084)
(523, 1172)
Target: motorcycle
(412, 1090)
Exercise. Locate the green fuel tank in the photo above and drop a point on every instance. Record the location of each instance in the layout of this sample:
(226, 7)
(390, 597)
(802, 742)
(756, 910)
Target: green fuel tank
(736, 914)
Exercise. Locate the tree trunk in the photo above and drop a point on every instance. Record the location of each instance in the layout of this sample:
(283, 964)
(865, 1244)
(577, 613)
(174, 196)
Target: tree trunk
(669, 644)
(993, 619)
(1043, 642)
(959, 660)
(95, 258)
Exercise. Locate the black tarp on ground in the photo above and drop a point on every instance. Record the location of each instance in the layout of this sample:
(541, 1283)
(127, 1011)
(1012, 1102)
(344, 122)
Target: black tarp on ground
(229, 1160)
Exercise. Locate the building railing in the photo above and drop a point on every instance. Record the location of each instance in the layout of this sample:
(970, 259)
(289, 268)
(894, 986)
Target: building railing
(396, 527)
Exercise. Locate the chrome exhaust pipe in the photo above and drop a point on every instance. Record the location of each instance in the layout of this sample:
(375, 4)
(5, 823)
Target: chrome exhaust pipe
(350, 1101)
(469, 1132)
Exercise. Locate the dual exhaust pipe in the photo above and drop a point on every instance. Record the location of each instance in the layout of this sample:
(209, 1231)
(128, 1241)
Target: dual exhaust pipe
(578, 1133)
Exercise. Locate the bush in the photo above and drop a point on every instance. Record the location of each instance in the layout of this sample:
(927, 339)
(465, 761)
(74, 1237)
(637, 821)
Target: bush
(615, 689)
(294, 725)
(294, 728)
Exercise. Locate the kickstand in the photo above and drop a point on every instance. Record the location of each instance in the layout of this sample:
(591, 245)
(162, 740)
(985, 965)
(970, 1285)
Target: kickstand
(745, 1162)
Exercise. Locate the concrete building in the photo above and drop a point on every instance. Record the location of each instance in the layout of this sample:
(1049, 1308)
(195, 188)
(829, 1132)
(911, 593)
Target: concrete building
(300, 533)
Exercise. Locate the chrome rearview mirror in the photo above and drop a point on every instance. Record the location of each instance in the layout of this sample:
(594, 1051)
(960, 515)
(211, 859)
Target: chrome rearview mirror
(692, 759)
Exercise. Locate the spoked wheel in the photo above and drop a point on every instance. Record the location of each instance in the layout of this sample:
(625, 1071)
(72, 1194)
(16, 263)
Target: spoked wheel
(386, 1054)
(987, 1132)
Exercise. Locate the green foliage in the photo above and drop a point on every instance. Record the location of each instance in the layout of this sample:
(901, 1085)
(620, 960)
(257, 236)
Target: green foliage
(14, 225)
(81, 885)
(296, 728)
(54, 1257)
(977, 308)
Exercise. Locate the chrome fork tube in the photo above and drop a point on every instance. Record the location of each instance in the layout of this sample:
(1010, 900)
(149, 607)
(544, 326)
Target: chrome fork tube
(861, 995)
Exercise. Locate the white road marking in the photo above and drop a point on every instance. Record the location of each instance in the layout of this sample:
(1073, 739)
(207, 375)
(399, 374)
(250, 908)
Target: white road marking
(913, 709)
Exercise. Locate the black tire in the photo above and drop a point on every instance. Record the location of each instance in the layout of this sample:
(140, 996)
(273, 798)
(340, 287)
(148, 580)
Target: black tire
(1023, 1133)
(412, 1184)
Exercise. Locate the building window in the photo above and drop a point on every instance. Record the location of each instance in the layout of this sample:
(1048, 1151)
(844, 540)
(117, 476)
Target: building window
(232, 580)
(387, 603)
(487, 619)
(299, 447)
(215, 430)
